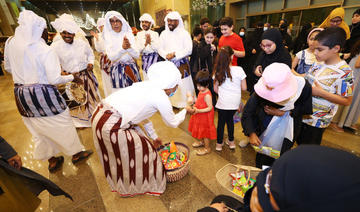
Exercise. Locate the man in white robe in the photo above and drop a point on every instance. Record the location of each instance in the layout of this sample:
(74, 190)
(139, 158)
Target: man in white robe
(36, 69)
(76, 56)
(147, 42)
(175, 45)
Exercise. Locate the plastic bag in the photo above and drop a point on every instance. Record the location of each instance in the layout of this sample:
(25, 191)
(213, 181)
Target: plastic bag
(272, 138)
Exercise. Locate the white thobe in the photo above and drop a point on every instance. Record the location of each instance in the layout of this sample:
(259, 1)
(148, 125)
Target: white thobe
(178, 41)
(116, 53)
(74, 57)
(44, 68)
(141, 40)
(147, 99)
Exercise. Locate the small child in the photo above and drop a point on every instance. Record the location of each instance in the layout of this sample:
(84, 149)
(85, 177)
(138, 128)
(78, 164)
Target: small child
(229, 82)
(332, 83)
(304, 59)
(201, 124)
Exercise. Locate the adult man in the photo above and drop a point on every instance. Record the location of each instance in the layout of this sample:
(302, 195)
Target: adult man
(120, 48)
(175, 45)
(204, 24)
(36, 69)
(76, 56)
(147, 41)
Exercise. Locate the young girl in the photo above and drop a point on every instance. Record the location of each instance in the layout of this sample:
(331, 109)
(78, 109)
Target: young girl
(305, 58)
(201, 123)
(229, 81)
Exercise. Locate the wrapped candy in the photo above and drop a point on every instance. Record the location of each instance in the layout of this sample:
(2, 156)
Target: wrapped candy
(171, 157)
(173, 147)
(240, 183)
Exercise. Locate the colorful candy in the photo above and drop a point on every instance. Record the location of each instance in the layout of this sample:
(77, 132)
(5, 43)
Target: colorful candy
(171, 157)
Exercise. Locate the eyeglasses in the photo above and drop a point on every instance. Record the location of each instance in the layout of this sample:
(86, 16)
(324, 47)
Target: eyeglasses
(267, 182)
(117, 21)
(268, 46)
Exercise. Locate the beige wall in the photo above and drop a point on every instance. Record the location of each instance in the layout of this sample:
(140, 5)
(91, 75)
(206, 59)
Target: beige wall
(153, 6)
(6, 18)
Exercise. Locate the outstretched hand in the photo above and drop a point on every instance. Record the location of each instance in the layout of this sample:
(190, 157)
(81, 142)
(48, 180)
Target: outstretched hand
(157, 143)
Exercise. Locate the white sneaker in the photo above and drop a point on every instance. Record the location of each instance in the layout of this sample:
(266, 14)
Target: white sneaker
(243, 143)
(219, 147)
(231, 144)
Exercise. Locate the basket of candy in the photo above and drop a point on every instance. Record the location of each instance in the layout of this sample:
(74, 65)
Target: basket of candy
(175, 157)
(237, 179)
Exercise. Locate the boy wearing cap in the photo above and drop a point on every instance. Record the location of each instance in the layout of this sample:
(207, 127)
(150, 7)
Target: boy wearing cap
(278, 94)
(332, 84)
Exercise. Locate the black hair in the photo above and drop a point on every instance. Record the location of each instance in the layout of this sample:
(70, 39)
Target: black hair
(356, 12)
(203, 78)
(355, 50)
(242, 28)
(226, 21)
(204, 21)
(196, 31)
(331, 37)
(260, 25)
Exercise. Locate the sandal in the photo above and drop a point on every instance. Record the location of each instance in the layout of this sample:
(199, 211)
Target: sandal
(81, 156)
(58, 163)
(198, 144)
(203, 151)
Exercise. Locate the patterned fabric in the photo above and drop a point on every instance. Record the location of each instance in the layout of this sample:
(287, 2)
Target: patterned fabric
(38, 100)
(183, 66)
(131, 164)
(124, 75)
(148, 60)
(105, 63)
(336, 79)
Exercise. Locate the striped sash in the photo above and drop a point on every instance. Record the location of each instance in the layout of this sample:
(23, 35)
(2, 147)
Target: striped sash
(183, 66)
(148, 60)
(105, 63)
(124, 75)
(38, 100)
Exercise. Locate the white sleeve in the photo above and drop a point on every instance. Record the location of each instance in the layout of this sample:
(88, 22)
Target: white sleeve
(99, 44)
(187, 47)
(133, 51)
(168, 116)
(161, 44)
(298, 55)
(6, 57)
(154, 43)
(53, 70)
(150, 131)
(139, 44)
(90, 54)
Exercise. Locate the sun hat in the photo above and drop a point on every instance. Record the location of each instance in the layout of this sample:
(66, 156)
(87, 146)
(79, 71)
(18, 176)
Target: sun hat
(277, 83)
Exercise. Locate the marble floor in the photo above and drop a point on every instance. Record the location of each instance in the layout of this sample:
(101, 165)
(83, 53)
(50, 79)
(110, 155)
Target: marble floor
(88, 186)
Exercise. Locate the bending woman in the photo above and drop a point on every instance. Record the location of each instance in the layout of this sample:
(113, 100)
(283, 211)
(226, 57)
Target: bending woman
(131, 163)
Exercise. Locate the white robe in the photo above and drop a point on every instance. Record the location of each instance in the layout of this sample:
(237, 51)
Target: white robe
(44, 68)
(150, 48)
(106, 79)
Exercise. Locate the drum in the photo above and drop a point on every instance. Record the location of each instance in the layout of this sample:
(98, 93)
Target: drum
(74, 94)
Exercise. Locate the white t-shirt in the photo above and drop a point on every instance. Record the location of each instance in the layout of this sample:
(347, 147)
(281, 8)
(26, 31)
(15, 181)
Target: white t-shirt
(230, 90)
(309, 57)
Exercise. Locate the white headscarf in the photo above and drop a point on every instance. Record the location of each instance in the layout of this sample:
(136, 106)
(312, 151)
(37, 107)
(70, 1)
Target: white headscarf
(164, 74)
(66, 23)
(174, 16)
(100, 22)
(147, 17)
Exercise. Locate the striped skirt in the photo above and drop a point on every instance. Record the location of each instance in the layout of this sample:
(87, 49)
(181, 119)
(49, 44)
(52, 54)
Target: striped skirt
(124, 75)
(131, 164)
(148, 60)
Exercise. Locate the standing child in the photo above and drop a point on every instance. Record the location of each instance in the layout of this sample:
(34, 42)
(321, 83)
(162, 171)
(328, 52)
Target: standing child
(332, 83)
(305, 58)
(201, 123)
(229, 81)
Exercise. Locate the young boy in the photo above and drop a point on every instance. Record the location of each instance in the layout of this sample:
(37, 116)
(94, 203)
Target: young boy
(229, 38)
(332, 83)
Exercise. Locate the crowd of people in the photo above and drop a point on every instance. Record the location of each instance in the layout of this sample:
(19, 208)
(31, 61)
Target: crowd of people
(292, 99)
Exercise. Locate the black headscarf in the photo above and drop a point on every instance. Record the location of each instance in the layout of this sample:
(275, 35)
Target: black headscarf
(280, 55)
(313, 178)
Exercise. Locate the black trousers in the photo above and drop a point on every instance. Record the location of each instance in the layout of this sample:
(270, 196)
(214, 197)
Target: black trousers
(310, 135)
(225, 116)
(262, 159)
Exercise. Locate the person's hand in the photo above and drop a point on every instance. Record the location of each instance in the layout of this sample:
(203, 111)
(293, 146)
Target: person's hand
(15, 162)
(254, 139)
(77, 79)
(148, 39)
(89, 67)
(317, 90)
(258, 71)
(157, 143)
(346, 56)
(195, 111)
(126, 43)
(241, 108)
(170, 56)
(95, 34)
(190, 109)
(273, 111)
(253, 51)
(213, 47)
(221, 207)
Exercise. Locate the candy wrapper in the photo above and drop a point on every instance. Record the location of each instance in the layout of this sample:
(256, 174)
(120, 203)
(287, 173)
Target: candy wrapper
(240, 183)
(171, 157)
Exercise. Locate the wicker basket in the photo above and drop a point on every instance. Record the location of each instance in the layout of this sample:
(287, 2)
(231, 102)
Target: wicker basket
(176, 174)
(224, 178)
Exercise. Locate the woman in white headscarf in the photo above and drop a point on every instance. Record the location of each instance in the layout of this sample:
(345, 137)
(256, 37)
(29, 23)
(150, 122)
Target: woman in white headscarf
(121, 50)
(131, 163)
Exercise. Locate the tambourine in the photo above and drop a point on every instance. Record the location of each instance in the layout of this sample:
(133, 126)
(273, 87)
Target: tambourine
(73, 93)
